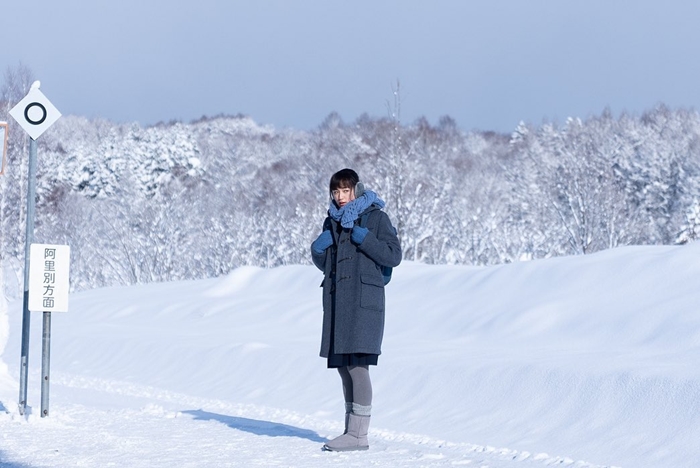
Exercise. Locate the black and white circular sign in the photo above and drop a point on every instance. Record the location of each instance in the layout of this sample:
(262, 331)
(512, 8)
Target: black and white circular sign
(35, 113)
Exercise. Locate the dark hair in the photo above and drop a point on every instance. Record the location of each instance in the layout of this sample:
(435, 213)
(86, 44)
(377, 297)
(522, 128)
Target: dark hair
(344, 178)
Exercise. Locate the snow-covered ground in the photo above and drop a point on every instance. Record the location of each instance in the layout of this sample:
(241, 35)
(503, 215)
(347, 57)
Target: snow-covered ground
(579, 361)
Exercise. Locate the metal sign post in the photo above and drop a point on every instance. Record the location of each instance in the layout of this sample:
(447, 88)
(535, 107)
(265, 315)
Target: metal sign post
(45, 364)
(35, 114)
(48, 292)
(29, 236)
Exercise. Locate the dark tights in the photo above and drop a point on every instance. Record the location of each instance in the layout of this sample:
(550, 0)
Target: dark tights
(357, 387)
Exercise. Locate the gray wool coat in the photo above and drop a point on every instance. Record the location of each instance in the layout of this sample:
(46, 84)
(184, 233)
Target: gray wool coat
(356, 280)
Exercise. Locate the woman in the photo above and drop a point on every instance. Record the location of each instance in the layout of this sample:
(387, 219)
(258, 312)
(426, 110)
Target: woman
(357, 240)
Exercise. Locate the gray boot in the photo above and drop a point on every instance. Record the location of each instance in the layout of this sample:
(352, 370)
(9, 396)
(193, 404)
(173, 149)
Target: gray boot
(354, 439)
(348, 410)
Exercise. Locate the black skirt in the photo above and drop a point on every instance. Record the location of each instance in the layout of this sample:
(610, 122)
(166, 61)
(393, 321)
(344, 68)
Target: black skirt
(354, 359)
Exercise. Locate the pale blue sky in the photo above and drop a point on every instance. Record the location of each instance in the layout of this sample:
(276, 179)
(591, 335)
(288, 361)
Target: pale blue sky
(489, 64)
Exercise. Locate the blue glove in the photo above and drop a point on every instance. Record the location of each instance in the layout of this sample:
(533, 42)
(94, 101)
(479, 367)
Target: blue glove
(358, 234)
(322, 242)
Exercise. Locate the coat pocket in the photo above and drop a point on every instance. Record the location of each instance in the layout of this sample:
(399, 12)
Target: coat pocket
(372, 292)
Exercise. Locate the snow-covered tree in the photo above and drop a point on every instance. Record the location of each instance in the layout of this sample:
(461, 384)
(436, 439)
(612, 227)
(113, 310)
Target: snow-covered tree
(192, 200)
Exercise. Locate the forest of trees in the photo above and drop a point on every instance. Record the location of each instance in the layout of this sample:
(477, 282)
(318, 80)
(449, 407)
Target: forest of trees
(194, 200)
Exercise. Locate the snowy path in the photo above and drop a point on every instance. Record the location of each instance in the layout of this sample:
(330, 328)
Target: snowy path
(125, 425)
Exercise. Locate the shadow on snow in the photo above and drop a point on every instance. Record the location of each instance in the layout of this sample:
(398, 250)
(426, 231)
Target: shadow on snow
(3, 463)
(6, 464)
(257, 427)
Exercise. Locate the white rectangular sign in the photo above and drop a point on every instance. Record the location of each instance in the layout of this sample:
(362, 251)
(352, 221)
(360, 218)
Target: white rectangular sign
(49, 266)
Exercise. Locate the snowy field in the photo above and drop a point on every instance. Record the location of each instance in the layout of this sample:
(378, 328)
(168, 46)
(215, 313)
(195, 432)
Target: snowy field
(581, 362)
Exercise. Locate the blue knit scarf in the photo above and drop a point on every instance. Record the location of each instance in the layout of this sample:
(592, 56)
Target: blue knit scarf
(351, 211)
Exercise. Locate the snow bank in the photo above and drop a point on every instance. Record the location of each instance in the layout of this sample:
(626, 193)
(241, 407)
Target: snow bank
(8, 386)
(590, 358)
